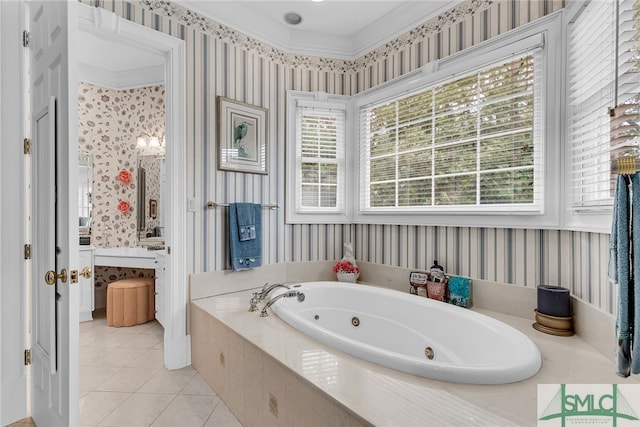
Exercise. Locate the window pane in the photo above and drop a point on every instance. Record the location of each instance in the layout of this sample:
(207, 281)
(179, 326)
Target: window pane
(309, 172)
(309, 195)
(329, 173)
(328, 196)
(504, 116)
(383, 143)
(383, 169)
(415, 107)
(507, 187)
(456, 190)
(414, 164)
(456, 95)
(456, 159)
(383, 194)
(382, 117)
(414, 193)
(415, 136)
(507, 151)
(510, 78)
(456, 126)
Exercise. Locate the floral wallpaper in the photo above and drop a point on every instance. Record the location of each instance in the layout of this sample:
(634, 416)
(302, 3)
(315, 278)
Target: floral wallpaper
(109, 122)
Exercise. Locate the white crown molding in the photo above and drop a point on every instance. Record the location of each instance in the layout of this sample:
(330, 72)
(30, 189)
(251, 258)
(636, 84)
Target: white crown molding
(324, 45)
(306, 58)
(122, 80)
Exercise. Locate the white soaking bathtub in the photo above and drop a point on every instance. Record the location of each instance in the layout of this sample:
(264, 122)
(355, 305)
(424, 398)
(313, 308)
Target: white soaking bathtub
(412, 334)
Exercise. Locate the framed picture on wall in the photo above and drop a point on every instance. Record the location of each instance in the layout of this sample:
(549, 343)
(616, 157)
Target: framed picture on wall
(242, 137)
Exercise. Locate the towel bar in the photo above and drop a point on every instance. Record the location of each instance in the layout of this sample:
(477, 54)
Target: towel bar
(213, 205)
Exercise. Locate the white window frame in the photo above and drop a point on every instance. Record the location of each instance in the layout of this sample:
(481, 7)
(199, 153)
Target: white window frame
(547, 30)
(342, 213)
(593, 219)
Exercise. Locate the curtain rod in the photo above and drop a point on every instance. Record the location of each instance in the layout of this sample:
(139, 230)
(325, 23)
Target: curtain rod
(213, 205)
(625, 165)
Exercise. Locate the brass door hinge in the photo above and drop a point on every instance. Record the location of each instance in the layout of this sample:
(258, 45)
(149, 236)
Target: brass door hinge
(27, 357)
(27, 251)
(27, 146)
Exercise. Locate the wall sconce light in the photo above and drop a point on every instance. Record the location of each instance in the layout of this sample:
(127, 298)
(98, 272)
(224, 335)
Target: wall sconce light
(150, 144)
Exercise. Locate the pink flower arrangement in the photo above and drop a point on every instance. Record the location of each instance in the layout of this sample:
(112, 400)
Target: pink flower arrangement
(124, 207)
(345, 267)
(124, 176)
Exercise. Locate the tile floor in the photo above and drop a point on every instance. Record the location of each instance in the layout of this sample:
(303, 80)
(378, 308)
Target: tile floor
(123, 381)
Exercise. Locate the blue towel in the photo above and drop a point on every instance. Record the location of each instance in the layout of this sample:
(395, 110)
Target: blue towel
(635, 292)
(628, 320)
(246, 221)
(247, 253)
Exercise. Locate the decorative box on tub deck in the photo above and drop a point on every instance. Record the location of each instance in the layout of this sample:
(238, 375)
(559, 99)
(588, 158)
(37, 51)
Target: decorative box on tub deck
(437, 290)
(459, 291)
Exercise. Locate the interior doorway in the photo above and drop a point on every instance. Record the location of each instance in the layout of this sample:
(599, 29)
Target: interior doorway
(150, 57)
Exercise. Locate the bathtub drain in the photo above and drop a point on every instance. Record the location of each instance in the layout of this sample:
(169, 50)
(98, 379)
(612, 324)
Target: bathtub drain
(316, 317)
(355, 321)
(429, 353)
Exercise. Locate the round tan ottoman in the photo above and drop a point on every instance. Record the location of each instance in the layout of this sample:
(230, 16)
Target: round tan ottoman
(131, 301)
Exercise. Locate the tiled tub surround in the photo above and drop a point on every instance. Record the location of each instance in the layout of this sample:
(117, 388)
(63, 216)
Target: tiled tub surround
(262, 366)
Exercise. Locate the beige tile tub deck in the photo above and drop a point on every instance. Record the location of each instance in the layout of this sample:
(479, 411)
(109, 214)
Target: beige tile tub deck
(268, 373)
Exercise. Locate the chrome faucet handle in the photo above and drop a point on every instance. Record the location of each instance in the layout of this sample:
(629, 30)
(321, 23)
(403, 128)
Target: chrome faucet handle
(253, 302)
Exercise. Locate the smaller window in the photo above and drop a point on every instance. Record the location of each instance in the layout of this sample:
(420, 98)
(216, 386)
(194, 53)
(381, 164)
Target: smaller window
(316, 158)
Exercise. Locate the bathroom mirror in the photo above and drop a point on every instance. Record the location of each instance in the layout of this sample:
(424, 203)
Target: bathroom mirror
(85, 188)
(151, 172)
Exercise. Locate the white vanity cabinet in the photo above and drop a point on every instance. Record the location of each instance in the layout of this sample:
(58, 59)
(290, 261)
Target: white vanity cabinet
(85, 284)
(161, 290)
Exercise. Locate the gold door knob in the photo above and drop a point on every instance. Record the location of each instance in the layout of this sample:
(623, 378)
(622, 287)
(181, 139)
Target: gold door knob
(86, 272)
(50, 277)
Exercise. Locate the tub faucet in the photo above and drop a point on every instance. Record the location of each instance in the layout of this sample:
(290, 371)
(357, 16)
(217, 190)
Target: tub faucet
(262, 294)
(288, 294)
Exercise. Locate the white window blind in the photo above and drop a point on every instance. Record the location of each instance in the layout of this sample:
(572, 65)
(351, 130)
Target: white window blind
(472, 142)
(603, 74)
(320, 159)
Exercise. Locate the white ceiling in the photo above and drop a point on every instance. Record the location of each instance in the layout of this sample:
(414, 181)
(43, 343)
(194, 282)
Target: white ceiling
(117, 65)
(344, 29)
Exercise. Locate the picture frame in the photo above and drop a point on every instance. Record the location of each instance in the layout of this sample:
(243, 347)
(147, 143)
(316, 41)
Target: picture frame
(242, 136)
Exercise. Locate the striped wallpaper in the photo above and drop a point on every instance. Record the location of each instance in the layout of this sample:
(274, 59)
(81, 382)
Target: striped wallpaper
(224, 62)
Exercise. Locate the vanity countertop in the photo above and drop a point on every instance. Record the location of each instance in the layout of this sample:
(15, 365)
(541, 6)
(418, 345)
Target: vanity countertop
(126, 257)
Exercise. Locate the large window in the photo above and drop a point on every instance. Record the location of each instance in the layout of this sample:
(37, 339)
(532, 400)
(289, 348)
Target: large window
(472, 141)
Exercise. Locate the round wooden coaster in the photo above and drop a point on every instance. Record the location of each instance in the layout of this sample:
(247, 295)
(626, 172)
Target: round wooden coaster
(552, 331)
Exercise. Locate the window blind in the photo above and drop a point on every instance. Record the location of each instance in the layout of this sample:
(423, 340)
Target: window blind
(320, 155)
(602, 80)
(470, 142)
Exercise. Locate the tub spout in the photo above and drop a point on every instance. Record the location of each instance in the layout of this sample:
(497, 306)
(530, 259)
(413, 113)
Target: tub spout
(262, 294)
(288, 294)
(267, 288)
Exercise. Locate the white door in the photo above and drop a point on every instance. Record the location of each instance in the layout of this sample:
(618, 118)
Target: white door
(54, 326)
